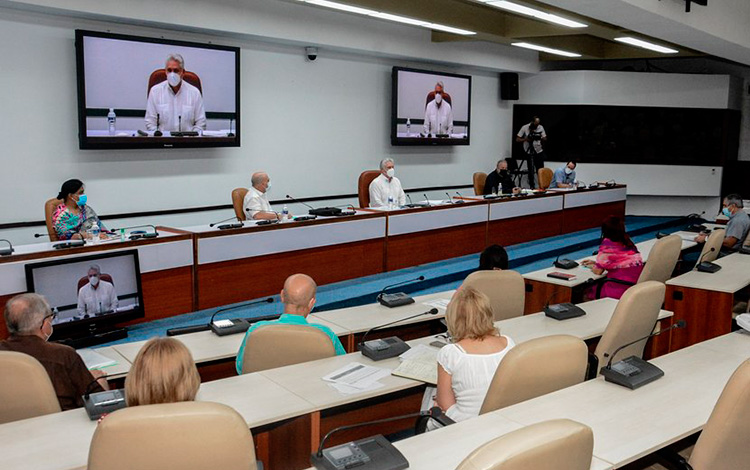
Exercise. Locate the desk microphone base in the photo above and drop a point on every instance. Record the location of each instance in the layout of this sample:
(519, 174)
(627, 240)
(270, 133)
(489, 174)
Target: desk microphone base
(643, 373)
(385, 348)
(395, 300)
(563, 311)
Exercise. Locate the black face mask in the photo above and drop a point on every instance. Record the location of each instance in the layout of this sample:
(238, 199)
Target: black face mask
(503, 172)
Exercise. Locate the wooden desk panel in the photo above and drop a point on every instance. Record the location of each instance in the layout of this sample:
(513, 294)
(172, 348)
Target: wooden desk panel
(524, 229)
(539, 293)
(582, 218)
(708, 314)
(239, 280)
(434, 245)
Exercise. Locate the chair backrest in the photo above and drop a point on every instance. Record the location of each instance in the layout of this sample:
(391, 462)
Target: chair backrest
(712, 247)
(535, 368)
(506, 290)
(544, 176)
(662, 259)
(271, 346)
(159, 75)
(431, 96)
(549, 445)
(363, 186)
(49, 210)
(185, 435)
(26, 390)
(723, 443)
(634, 317)
(238, 202)
(747, 240)
(103, 277)
(478, 179)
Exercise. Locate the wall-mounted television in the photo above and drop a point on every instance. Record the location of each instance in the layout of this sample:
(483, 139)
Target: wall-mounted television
(89, 294)
(430, 108)
(138, 92)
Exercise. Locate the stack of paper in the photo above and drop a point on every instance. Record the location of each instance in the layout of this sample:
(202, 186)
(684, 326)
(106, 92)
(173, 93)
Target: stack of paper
(419, 363)
(356, 378)
(95, 360)
(440, 304)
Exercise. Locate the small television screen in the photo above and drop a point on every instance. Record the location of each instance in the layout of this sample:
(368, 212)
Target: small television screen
(137, 92)
(430, 108)
(86, 292)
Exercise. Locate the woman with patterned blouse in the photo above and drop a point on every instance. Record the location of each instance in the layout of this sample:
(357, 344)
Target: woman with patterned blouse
(73, 217)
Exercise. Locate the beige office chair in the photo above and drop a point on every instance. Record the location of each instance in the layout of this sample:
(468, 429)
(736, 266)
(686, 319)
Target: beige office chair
(723, 443)
(272, 346)
(550, 445)
(505, 289)
(26, 390)
(363, 186)
(544, 176)
(49, 209)
(535, 368)
(712, 247)
(238, 202)
(185, 436)
(660, 264)
(478, 179)
(634, 317)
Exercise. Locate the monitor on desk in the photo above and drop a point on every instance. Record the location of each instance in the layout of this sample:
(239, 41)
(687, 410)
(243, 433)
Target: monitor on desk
(90, 292)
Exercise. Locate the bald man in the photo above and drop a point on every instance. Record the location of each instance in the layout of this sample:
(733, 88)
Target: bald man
(298, 296)
(256, 205)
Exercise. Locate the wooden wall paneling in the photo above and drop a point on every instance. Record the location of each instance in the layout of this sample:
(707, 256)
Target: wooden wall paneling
(582, 218)
(413, 249)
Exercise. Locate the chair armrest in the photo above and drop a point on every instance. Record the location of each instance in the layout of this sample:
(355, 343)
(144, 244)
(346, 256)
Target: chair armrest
(673, 459)
(593, 367)
(437, 414)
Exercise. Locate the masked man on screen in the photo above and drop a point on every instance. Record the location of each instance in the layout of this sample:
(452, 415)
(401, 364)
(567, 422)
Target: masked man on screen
(178, 103)
(533, 135)
(96, 296)
(438, 116)
(386, 190)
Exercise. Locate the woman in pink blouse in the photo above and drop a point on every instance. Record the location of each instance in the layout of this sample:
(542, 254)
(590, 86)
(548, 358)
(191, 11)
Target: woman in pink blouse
(618, 256)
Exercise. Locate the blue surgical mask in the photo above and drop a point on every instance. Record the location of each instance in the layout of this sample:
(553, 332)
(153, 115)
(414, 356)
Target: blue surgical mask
(726, 212)
(82, 200)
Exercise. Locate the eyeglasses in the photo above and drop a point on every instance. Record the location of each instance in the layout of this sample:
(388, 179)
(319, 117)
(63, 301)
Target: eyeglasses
(51, 316)
(175, 70)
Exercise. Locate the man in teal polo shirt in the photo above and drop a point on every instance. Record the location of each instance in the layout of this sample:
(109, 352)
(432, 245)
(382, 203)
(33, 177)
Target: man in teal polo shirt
(298, 296)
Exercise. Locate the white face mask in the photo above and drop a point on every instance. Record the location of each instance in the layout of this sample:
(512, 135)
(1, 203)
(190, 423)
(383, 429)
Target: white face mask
(438, 98)
(268, 186)
(568, 171)
(390, 173)
(94, 281)
(174, 78)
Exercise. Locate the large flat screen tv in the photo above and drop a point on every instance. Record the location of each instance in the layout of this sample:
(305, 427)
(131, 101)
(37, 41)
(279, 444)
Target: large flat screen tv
(89, 294)
(159, 93)
(430, 108)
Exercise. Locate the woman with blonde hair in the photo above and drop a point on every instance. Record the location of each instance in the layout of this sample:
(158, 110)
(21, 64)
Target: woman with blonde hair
(467, 365)
(163, 372)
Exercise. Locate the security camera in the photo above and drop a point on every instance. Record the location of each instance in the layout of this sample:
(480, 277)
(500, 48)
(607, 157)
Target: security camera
(311, 53)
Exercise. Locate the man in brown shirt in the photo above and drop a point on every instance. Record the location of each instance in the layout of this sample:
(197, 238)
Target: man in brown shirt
(29, 321)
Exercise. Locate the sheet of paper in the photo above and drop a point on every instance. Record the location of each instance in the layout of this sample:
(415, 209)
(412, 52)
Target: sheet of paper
(357, 375)
(418, 370)
(95, 360)
(349, 390)
(440, 304)
(420, 352)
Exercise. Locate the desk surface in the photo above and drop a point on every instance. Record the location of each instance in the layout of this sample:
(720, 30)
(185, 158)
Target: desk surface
(734, 275)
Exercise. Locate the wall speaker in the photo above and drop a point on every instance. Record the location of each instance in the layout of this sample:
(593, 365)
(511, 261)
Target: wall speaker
(509, 86)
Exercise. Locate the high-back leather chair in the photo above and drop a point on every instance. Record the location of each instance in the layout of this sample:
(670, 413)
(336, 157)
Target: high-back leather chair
(431, 96)
(238, 202)
(505, 289)
(550, 445)
(49, 210)
(159, 75)
(478, 179)
(103, 277)
(363, 186)
(26, 390)
(712, 247)
(271, 346)
(634, 317)
(185, 435)
(535, 368)
(723, 443)
(544, 176)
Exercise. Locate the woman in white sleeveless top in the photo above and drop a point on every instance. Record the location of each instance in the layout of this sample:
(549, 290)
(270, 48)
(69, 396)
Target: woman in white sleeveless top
(466, 367)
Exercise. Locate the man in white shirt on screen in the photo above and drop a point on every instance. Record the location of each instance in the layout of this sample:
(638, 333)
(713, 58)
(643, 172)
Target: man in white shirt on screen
(386, 190)
(96, 296)
(178, 103)
(256, 205)
(438, 116)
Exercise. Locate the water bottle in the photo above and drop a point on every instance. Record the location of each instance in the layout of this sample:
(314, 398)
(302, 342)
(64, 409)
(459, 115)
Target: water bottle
(285, 213)
(111, 118)
(390, 202)
(408, 127)
(95, 233)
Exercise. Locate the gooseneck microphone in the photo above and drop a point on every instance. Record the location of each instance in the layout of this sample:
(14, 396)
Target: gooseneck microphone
(707, 266)
(450, 198)
(157, 132)
(679, 324)
(237, 224)
(432, 311)
(244, 304)
(300, 202)
(392, 346)
(427, 200)
(6, 251)
(136, 236)
(399, 298)
(230, 327)
(230, 133)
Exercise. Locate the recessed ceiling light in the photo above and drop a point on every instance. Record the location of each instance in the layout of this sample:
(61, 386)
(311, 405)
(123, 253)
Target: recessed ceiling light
(389, 17)
(647, 45)
(538, 14)
(549, 50)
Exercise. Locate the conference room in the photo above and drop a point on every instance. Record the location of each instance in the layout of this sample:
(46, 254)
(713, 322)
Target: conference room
(298, 234)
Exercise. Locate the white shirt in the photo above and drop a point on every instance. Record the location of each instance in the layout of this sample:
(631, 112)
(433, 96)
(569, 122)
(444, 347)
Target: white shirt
(381, 189)
(438, 120)
(94, 301)
(526, 131)
(254, 202)
(471, 375)
(187, 102)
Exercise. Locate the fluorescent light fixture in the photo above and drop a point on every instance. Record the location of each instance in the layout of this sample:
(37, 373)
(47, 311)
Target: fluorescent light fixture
(549, 50)
(388, 17)
(646, 45)
(538, 14)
